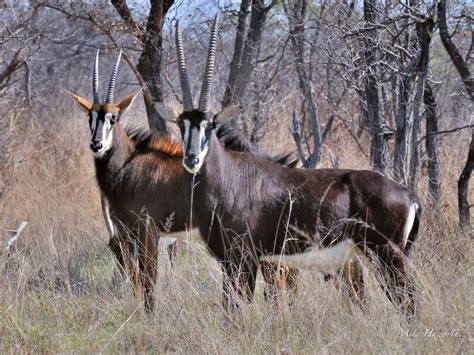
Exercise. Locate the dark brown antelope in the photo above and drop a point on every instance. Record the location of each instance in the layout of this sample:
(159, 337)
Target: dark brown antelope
(250, 209)
(142, 184)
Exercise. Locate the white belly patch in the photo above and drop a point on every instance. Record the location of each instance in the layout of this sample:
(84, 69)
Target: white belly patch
(180, 235)
(327, 260)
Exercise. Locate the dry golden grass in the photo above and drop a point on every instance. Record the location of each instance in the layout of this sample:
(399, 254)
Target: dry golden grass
(57, 293)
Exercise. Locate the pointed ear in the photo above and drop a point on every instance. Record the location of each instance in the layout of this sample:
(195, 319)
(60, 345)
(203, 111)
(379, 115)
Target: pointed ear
(168, 114)
(126, 103)
(84, 105)
(227, 114)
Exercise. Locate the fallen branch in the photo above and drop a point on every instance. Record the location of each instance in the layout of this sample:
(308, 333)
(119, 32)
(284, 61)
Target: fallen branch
(10, 244)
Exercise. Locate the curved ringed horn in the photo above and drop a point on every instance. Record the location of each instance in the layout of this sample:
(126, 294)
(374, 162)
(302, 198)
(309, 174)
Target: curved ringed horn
(95, 79)
(183, 73)
(207, 82)
(113, 78)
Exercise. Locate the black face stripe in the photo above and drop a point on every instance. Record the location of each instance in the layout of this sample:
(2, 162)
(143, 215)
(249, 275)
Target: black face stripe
(196, 129)
(96, 130)
(97, 134)
(193, 144)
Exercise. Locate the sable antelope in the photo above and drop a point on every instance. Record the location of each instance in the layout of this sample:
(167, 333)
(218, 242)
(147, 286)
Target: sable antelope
(249, 209)
(141, 180)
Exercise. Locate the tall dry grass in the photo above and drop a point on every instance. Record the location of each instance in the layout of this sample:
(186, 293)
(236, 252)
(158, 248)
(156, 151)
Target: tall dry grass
(57, 292)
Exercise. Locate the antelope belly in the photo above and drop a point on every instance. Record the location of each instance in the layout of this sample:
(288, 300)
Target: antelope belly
(326, 260)
(178, 235)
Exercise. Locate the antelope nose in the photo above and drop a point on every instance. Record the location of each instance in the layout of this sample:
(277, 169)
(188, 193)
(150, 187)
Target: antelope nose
(95, 146)
(192, 160)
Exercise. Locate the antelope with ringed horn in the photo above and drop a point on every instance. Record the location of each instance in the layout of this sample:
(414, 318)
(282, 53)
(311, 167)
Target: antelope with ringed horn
(249, 209)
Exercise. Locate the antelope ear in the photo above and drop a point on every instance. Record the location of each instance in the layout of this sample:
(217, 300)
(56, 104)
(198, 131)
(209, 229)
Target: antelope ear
(123, 106)
(227, 114)
(168, 114)
(84, 105)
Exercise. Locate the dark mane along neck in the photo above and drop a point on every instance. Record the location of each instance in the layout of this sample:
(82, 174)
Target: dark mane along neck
(233, 139)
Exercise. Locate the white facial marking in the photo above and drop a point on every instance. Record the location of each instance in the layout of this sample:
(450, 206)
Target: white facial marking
(409, 223)
(327, 260)
(203, 152)
(107, 137)
(187, 124)
(94, 122)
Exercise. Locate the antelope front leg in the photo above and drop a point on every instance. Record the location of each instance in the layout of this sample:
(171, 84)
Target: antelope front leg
(147, 260)
(115, 243)
(238, 283)
(124, 247)
(117, 247)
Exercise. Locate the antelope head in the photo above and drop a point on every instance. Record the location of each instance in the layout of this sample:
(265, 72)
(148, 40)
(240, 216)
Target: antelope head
(103, 116)
(196, 125)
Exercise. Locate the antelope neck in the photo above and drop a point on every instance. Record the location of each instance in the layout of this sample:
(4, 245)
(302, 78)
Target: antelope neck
(108, 166)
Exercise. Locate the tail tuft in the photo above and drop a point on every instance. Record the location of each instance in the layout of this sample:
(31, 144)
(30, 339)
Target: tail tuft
(414, 230)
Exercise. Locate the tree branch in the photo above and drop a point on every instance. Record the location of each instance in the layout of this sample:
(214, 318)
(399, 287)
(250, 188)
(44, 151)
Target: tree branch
(10, 244)
(446, 131)
(14, 64)
(295, 131)
(456, 57)
(125, 13)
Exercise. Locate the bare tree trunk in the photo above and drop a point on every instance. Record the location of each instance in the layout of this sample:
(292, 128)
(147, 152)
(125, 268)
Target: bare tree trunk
(235, 63)
(463, 187)
(434, 172)
(296, 12)
(456, 57)
(14, 64)
(415, 119)
(401, 118)
(244, 59)
(150, 62)
(424, 31)
(379, 144)
(401, 126)
(27, 83)
(468, 81)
